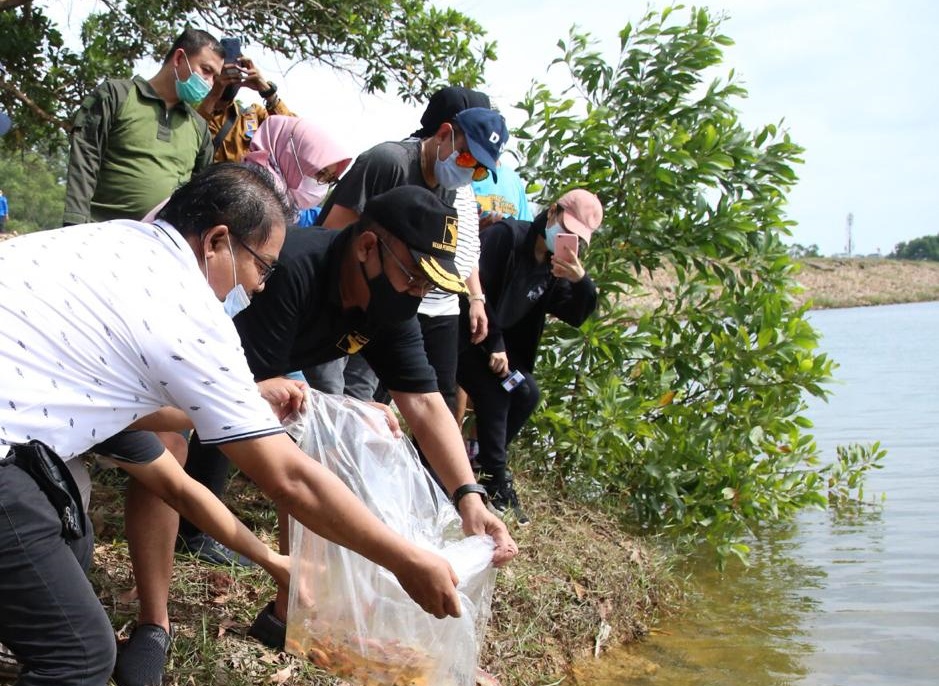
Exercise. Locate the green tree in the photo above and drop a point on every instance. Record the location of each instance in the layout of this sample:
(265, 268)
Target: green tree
(798, 251)
(688, 412)
(409, 43)
(924, 248)
(35, 188)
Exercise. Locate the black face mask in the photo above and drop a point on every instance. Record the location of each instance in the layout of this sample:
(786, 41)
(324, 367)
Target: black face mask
(385, 304)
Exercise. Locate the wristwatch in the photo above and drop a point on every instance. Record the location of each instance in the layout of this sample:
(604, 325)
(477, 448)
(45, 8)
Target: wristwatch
(466, 489)
(270, 91)
(481, 297)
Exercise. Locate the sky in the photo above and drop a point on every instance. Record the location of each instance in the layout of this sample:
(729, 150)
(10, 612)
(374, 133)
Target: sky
(853, 82)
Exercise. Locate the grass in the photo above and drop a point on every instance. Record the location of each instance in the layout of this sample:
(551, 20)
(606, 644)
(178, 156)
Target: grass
(580, 583)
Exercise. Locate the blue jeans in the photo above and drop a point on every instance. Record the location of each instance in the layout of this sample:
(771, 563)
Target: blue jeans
(50, 616)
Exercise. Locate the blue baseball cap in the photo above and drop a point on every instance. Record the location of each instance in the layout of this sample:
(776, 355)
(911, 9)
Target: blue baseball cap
(486, 135)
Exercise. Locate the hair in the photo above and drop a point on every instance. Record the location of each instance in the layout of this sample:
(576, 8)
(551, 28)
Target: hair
(242, 196)
(192, 41)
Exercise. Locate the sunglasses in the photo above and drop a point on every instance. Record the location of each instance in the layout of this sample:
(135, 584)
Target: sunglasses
(267, 268)
(466, 160)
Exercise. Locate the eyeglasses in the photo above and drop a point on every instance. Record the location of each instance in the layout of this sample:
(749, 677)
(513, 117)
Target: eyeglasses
(466, 160)
(414, 282)
(323, 176)
(267, 268)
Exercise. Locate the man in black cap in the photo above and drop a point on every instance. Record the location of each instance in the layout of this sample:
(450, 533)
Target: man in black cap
(338, 293)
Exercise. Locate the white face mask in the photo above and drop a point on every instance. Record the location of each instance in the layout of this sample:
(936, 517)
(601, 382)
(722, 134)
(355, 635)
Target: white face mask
(237, 298)
(309, 193)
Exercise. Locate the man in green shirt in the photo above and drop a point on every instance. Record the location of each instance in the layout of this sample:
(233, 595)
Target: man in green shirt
(134, 141)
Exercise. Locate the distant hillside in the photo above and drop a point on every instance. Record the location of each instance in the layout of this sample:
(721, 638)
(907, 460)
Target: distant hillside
(843, 282)
(840, 282)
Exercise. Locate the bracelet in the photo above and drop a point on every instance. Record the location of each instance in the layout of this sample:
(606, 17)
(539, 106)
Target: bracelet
(466, 489)
(270, 91)
(481, 297)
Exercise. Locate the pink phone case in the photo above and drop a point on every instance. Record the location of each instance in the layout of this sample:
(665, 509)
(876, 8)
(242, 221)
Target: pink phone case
(562, 242)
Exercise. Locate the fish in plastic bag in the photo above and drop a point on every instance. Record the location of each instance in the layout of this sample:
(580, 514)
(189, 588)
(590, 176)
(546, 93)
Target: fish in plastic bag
(349, 615)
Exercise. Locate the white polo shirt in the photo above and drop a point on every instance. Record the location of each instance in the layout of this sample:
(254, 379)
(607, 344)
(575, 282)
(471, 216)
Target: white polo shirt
(103, 323)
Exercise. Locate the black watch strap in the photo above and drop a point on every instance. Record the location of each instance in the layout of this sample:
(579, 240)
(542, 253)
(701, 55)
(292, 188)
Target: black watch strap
(466, 489)
(270, 91)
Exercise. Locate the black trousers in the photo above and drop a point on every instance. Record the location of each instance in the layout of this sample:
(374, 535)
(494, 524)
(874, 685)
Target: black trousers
(500, 414)
(440, 343)
(50, 616)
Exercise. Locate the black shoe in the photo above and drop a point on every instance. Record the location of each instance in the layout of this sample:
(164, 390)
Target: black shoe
(141, 660)
(269, 630)
(209, 550)
(504, 499)
(9, 666)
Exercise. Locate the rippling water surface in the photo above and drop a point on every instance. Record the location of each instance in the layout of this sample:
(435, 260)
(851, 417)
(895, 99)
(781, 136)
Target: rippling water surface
(831, 600)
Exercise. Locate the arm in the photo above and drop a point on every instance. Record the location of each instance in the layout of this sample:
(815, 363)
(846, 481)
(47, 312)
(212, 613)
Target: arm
(439, 437)
(166, 478)
(573, 297)
(88, 141)
(339, 217)
(478, 319)
(320, 501)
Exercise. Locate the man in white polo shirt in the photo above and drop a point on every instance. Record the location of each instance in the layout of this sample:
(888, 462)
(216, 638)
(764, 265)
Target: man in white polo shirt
(117, 324)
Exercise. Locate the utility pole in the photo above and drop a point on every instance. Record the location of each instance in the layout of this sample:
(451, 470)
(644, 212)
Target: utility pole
(850, 247)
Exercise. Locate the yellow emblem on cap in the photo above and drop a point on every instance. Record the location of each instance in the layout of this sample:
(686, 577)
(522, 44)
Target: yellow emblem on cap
(441, 277)
(450, 232)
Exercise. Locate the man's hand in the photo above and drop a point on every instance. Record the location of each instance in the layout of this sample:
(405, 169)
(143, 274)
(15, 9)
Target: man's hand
(252, 77)
(499, 363)
(569, 268)
(285, 396)
(477, 520)
(478, 321)
(390, 418)
(431, 583)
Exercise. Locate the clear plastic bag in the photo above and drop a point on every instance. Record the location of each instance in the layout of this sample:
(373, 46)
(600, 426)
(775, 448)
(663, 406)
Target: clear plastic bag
(350, 616)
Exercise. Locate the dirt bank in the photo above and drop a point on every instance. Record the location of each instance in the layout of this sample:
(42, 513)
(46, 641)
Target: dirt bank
(830, 282)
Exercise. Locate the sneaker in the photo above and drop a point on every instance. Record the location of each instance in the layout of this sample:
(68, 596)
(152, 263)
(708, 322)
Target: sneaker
(209, 550)
(9, 665)
(504, 499)
(269, 630)
(142, 658)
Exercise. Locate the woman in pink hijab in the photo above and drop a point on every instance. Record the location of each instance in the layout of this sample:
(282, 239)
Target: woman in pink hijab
(303, 158)
(301, 155)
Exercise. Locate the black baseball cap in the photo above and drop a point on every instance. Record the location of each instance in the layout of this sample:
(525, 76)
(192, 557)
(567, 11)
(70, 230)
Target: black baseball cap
(445, 104)
(427, 225)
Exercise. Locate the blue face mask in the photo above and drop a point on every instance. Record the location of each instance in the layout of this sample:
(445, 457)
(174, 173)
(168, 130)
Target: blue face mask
(449, 174)
(194, 89)
(550, 234)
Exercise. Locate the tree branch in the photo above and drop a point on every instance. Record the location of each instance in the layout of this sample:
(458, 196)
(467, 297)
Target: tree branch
(30, 104)
(11, 4)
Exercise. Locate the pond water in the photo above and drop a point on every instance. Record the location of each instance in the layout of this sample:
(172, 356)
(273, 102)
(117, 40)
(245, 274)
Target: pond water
(847, 599)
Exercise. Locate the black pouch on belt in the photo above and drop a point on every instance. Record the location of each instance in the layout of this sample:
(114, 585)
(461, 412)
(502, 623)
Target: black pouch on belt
(54, 479)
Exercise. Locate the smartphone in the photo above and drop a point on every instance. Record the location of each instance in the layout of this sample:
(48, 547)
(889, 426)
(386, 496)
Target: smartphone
(564, 242)
(232, 48)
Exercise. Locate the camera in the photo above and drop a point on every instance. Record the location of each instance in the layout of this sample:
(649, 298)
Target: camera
(511, 382)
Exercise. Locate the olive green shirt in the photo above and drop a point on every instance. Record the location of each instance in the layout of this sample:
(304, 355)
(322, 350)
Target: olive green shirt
(129, 152)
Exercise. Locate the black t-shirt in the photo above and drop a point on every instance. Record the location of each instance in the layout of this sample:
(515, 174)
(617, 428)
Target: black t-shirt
(297, 321)
(378, 169)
